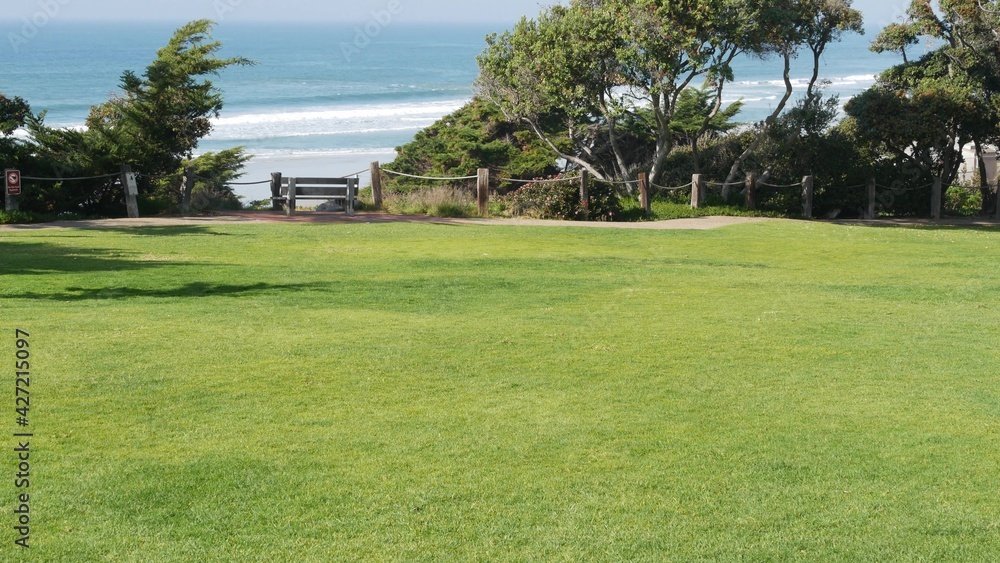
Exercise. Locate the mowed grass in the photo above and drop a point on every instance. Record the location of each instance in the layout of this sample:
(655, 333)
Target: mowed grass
(769, 392)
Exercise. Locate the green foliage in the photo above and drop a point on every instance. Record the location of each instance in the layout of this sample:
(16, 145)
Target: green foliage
(563, 73)
(12, 217)
(476, 136)
(897, 37)
(962, 200)
(213, 172)
(154, 125)
(924, 112)
(14, 114)
(161, 116)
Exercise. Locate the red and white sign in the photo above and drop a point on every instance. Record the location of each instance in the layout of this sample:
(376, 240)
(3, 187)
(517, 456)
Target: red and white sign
(13, 182)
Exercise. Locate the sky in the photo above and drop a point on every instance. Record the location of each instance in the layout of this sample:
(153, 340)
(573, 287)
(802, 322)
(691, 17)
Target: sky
(877, 12)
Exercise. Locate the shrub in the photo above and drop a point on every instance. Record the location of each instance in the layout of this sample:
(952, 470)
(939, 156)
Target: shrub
(561, 200)
(965, 201)
(11, 217)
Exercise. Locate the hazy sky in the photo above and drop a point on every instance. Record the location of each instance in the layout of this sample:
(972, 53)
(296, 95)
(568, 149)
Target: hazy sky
(877, 12)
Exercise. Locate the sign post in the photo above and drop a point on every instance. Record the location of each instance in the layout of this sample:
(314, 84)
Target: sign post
(131, 191)
(12, 178)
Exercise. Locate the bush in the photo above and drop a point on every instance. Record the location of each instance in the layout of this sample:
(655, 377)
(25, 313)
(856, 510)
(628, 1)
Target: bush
(964, 201)
(561, 200)
(12, 217)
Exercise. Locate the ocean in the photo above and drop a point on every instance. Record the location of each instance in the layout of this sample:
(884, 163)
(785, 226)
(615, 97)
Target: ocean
(328, 99)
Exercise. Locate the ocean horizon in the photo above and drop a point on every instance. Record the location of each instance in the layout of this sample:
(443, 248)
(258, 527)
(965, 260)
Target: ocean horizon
(326, 99)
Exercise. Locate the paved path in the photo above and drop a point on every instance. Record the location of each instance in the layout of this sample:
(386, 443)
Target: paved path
(702, 223)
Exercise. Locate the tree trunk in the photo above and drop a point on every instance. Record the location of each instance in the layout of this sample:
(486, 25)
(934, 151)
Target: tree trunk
(567, 157)
(735, 170)
(616, 147)
(186, 190)
(664, 140)
(985, 190)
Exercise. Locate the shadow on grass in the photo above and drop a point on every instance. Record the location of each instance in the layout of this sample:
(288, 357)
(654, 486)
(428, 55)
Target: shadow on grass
(32, 258)
(953, 224)
(186, 230)
(191, 290)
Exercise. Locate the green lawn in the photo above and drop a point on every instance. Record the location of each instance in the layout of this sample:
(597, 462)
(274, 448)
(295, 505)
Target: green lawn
(768, 392)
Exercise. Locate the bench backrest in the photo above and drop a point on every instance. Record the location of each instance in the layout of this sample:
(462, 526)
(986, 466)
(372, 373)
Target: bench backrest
(320, 187)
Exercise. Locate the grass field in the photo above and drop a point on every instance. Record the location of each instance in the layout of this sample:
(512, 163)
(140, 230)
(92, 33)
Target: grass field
(769, 392)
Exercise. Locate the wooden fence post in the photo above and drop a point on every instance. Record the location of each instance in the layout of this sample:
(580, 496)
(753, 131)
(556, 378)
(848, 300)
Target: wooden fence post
(751, 195)
(808, 195)
(376, 170)
(187, 188)
(483, 191)
(276, 191)
(872, 189)
(290, 206)
(936, 197)
(644, 199)
(697, 191)
(131, 191)
(585, 191)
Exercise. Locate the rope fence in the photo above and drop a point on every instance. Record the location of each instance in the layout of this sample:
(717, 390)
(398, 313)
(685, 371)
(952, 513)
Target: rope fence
(457, 179)
(698, 186)
(904, 190)
(551, 181)
(34, 179)
(666, 189)
(618, 183)
(248, 183)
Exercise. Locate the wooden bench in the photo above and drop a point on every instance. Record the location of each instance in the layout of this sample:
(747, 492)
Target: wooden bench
(326, 189)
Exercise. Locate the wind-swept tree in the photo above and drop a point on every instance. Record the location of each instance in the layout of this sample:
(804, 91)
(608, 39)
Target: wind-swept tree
(924, 112)
(557, 76)
(787, 28)
(14, 113)
(600, 67)
(161, 116)
(154, 124)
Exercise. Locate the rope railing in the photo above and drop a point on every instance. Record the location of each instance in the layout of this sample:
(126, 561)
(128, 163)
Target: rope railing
(905, 190)
(34, 179)
(765, 184)
(248, 183)
(617, 183)
(159, 177)
(664, 188)
(358, 173)
(456, 179)
(550, 181)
